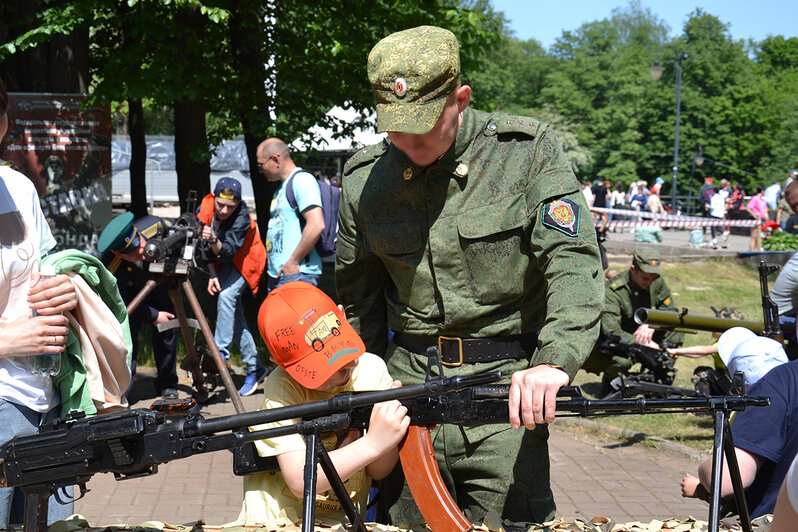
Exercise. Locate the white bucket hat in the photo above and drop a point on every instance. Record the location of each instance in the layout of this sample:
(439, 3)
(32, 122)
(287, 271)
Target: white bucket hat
(742, 350)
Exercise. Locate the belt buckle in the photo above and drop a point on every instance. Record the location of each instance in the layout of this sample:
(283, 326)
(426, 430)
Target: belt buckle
(459, 341)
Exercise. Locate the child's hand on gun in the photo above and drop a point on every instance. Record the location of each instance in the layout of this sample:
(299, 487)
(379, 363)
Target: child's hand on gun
(388, 424)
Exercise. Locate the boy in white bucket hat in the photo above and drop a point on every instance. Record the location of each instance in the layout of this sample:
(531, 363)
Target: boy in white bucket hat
(742, 350)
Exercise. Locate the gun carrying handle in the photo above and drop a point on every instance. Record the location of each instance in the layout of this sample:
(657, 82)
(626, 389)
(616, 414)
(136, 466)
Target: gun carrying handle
(424, 480)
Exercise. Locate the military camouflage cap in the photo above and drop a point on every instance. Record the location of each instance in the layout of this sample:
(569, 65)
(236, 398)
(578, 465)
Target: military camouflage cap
(648, 260)
(411, 73)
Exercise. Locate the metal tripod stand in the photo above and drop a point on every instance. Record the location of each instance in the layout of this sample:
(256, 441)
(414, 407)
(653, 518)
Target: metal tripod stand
(180, 280)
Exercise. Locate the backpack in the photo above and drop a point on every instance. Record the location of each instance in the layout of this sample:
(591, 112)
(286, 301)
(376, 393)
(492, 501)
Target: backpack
(330, 197)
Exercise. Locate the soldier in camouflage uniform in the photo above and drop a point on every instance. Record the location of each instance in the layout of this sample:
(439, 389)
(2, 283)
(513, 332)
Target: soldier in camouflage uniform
(467, 231)
(641, 285)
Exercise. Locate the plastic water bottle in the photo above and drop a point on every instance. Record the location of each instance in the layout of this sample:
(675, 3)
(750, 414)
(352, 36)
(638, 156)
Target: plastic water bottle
(47, 364)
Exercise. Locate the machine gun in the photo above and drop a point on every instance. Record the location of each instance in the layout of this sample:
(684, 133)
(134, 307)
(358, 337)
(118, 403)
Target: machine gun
(172, 257)
(770, 310)
(656, 377)
(174, 247)
(488, 404)
(133, 443)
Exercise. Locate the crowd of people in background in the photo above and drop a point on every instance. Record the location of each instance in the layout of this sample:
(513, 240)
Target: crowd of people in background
(718, 200)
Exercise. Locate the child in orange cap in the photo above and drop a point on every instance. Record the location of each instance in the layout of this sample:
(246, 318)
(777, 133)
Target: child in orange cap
(319, 355)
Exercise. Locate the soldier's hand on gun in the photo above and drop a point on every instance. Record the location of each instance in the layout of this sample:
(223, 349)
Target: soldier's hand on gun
(163, 317)
(213, 286)
(388, 424)
(643, 336)
(33, 336)
(53, 295)
(207, 233)
(533, 395)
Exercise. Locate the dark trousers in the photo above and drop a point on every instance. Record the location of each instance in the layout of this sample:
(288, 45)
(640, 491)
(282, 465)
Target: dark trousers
(164, 347)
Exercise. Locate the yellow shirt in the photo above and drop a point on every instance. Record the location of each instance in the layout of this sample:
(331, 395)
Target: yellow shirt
(267, 498)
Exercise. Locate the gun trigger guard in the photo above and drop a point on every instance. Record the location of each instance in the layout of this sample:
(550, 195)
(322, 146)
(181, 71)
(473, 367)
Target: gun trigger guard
(434, 357)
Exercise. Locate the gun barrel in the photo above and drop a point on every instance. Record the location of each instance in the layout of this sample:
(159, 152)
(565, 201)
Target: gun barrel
(586, 407)
(671, 320)
(344, 402)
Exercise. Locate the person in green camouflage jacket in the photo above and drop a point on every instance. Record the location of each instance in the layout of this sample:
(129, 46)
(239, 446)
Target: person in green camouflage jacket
(641, 286)
(467, 231)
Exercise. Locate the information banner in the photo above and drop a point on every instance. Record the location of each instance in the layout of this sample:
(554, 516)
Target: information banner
(66, 152)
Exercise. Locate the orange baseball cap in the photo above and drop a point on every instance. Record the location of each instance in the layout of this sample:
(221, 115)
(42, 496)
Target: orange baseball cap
(307, 334)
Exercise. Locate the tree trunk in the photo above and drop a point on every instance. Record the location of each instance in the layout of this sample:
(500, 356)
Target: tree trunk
(247, 39)
(138, 159)
(191, 149)
(58, 65)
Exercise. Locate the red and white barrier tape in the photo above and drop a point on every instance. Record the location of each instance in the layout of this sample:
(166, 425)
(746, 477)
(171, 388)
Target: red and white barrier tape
(667, 220)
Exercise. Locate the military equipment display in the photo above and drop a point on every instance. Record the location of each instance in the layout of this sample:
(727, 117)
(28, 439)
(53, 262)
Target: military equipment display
(770, 310)
(656, 377)
(172, 257)
(133, 443)
(686, 322)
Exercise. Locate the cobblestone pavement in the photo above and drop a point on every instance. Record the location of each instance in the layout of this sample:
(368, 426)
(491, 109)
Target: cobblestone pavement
(592, 475)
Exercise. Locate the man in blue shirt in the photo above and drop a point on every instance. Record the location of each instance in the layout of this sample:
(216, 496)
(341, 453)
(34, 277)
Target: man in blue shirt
(293, 233)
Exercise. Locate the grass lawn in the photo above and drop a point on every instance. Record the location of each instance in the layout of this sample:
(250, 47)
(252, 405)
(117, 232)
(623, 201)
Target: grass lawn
(696, 286)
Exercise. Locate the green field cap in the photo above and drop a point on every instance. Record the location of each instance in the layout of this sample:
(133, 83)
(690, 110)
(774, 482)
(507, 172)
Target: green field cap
(648, 260)
(118, 235)
(411, 73)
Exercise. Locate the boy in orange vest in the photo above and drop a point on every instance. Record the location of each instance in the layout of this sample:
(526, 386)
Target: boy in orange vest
(233, 238)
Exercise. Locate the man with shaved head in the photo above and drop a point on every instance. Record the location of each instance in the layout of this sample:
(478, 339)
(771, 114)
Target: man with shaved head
(293, 232)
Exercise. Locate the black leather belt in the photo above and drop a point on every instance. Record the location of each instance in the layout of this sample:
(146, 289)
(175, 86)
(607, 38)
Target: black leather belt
(456, 351)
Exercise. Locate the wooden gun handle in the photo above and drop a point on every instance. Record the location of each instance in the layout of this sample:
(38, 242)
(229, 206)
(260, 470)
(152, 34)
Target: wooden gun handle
(424, 480)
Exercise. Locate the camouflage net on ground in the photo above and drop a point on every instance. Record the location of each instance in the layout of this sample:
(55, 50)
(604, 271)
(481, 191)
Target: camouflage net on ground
(492, 523)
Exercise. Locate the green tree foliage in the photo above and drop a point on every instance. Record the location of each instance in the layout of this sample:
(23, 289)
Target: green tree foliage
(739, 101)
(265, 68)
(260, 67)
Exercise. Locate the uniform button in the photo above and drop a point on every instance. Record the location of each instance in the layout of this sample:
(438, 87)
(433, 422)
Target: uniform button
(492, 126)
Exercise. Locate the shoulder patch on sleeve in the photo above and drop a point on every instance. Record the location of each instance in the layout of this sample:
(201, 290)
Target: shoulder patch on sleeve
(519, 124)
(365, 156)
(562, 215)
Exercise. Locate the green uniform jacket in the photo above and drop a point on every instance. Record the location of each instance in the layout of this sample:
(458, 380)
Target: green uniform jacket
(469, 245)
(624, 298)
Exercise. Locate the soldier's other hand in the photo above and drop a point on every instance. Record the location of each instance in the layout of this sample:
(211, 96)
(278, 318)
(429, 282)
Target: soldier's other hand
(163, 317)
(213, 286)
(53, 295)
(644, 334)
(533, 394)
(207, 233)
